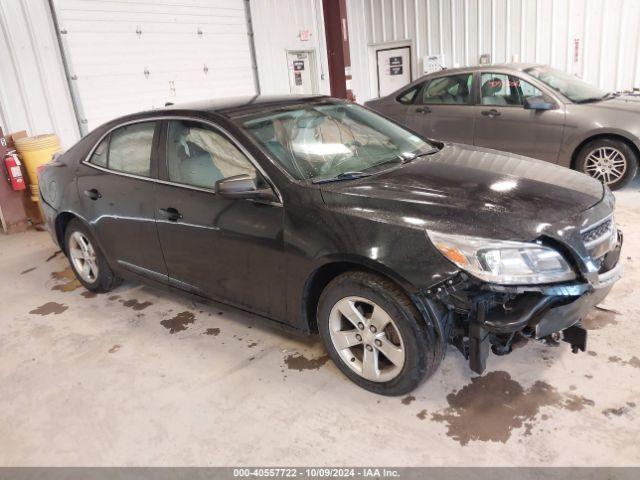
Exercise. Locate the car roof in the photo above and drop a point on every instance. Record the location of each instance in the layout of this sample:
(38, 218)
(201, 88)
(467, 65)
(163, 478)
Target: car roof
(235, 106)
(474, 68)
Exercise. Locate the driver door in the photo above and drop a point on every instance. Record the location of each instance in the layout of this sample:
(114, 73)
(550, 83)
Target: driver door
(227, 249)
(503, 123)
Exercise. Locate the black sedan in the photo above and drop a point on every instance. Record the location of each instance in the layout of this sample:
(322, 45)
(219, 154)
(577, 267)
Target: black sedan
(325, 217)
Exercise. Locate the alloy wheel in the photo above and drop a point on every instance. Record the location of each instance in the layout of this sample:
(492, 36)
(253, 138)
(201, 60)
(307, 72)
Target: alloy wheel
(367, 339)
(606, 164)
(83, 257)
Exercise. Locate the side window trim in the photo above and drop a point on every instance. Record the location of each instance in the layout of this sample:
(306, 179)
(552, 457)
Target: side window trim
(508, 75)
(470, 100)
(160, 137)
(163, 168)
(153, 171)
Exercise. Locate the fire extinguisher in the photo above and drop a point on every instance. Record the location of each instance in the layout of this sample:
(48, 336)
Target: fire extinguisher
(14, 172)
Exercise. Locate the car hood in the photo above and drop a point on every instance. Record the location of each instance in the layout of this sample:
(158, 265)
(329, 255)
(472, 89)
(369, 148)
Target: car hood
(625, 103)
(470, 190)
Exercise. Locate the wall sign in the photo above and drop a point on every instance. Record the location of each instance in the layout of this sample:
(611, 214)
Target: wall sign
(395, 70)
(298, 65)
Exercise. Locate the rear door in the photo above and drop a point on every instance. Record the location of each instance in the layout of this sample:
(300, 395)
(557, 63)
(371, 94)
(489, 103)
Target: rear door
(444, 108)
(227, 249)
(117, 189)
(503, 123)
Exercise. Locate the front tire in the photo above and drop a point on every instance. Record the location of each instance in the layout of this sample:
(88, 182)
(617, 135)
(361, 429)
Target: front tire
(610, 161)
(375, 335)
(87, 260)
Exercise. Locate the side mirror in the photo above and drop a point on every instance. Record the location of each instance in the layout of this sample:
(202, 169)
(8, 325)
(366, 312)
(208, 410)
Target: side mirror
(242, 186)
(539, 103)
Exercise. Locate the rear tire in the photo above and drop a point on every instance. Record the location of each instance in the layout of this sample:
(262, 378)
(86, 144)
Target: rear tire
(384, 346)
(87, 260)
(608, 160)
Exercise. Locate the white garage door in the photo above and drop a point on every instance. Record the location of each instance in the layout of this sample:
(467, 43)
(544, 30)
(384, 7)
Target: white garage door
(125, 56)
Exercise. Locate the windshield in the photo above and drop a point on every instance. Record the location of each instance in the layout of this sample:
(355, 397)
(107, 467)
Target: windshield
(325, 141)
(568, 85)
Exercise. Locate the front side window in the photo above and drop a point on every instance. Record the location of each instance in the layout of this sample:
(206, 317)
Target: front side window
(322, 141)
(505, 90)
(199, 156)
(130, 149)
(451, 90)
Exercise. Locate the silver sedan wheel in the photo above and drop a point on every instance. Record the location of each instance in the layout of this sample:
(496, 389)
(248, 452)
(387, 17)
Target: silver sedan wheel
(606, 164)
(367, 339)
(83, 257)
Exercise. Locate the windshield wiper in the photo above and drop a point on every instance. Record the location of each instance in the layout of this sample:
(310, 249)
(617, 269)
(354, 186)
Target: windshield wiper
(423, 154)
(609, 95)
(343, 176)
(606, 96)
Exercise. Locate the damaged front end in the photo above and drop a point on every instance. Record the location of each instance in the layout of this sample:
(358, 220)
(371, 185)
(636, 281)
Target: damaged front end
(476, 315)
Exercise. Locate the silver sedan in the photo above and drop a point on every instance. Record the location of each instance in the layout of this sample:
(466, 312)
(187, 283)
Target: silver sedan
(528, 109)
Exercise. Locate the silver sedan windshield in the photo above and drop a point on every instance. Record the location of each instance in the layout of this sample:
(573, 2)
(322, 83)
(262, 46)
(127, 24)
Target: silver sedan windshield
(568, 85)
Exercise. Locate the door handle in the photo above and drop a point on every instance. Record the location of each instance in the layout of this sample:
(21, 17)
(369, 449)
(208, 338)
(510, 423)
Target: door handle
(491, 113)
(423, 110)
(93, 194)
(171, 213)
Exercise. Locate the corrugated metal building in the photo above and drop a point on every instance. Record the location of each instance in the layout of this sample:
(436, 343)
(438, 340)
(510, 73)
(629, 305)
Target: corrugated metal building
(122, 56)
(596, 39)
(126, 56)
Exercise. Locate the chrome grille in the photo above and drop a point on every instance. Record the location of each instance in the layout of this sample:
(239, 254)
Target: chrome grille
(592, 234)
(599, 239)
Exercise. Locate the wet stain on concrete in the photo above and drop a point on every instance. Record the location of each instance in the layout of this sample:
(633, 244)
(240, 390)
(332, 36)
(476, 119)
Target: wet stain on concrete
(135, 304)
(631, 404)
(54, 255)
(408, 399)
(114, 349)
(253, 344)
(422, 414)
(212, 331)
(67, 280)
(297, 361)
(632, 362)
(598, 318)
(592, 353)
(575, 403)
(28, 270)
(89, 294)
(179, 322)
(617, 412)
(114, 297)
(492, 406)
(49, 308)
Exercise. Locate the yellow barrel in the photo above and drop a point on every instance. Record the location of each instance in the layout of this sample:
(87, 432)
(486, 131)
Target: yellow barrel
(36, 151)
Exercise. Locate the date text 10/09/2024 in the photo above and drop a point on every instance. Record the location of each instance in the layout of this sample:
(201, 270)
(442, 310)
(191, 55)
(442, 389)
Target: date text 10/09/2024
(325, 472)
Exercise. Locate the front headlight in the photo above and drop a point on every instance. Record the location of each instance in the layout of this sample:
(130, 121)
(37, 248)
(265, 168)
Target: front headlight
(503, 262)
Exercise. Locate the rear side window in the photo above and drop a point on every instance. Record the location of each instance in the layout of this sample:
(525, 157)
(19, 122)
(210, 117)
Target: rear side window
(130, 149)
(451, 90)
(99, 156)
(409, 96)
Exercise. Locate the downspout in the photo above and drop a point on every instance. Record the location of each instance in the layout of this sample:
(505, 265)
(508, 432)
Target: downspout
(252, 46)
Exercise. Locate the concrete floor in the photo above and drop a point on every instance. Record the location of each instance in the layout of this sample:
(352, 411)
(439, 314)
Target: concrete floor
(143, 377)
